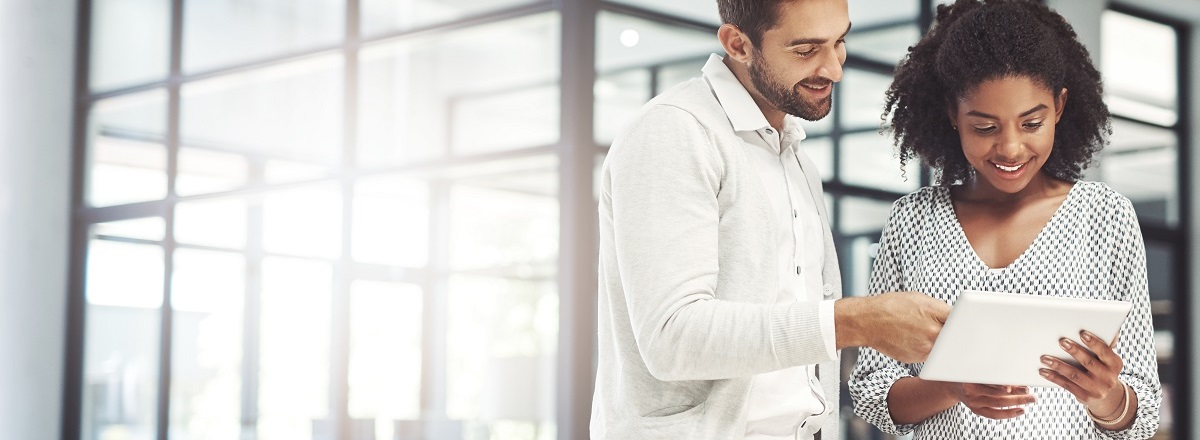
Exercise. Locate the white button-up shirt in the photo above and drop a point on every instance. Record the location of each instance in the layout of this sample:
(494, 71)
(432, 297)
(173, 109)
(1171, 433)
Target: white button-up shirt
(788, 403)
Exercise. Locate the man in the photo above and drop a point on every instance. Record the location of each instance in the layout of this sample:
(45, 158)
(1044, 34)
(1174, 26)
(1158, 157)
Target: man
(719, 309)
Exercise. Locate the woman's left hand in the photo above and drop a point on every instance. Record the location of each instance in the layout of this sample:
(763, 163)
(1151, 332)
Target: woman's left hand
(1094, 382)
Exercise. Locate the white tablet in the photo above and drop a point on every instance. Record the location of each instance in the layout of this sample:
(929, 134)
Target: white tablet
(999, 338)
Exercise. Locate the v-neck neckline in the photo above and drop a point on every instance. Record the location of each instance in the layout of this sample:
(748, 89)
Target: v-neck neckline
(948, 204)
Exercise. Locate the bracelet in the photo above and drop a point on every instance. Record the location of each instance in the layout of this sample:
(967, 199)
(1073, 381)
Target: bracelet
(1115, 421)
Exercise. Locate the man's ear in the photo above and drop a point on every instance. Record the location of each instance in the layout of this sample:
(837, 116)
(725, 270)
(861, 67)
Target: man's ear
(736, 43)
(1060, 104)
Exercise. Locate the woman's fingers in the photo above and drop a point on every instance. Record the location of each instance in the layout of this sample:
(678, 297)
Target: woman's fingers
(1102, 350)
(996, 401)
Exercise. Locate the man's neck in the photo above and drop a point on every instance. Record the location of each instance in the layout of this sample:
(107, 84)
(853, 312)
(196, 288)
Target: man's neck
(773, 115)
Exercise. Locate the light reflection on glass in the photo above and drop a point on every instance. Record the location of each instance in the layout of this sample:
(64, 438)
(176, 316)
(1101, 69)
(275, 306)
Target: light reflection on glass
(127, 156)
(502, 340)
(391, 221)
(207, 295)
(294, 347)
(124, 291)
(212, 222)
(304, 221)
(385, 351)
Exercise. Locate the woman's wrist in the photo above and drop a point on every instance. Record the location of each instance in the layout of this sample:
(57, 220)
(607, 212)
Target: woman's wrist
(1117, 415)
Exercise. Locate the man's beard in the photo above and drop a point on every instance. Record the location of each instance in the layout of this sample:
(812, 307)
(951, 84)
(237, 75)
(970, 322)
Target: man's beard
(789, 101)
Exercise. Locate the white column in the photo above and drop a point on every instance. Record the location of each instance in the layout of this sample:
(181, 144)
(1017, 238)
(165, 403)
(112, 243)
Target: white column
(36, 79)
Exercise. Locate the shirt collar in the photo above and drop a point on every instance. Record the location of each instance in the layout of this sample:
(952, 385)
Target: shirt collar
(739, 106)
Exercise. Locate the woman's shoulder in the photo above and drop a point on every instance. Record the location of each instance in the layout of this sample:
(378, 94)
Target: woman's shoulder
(926, 197)
(1101, 197)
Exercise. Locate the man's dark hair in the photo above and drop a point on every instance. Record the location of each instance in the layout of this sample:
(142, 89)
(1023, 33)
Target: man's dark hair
(974, 41)
(754, 17)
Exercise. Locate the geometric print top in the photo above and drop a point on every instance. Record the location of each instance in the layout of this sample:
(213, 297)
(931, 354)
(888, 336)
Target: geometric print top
(1091, 248)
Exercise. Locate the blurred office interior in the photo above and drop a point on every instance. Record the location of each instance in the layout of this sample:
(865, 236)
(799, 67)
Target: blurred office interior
(376, 219)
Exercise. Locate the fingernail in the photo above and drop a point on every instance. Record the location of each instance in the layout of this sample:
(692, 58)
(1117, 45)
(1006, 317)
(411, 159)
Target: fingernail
(1020, 412)
(1045, 373)
(1087, 337)
(1066, 345)
(1047, 362)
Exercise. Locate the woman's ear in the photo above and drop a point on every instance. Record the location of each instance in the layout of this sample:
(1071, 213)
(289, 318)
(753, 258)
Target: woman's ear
(1060, 103)
(952, 114)
(735, 42)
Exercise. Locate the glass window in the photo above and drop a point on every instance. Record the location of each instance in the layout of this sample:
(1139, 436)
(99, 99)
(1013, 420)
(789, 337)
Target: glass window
(502, 339)
(148, 228)
(124, 292)
(1131, 87)
(129, 42)
(1141, 163)
(380, 16)
(624, 42)
(886, 45)
(391, 221)
(204, 170)
(820, 150)
(212, 222)
(294, 348)
(859, 215)
(672, 74)
(704, 11)
(630, 52)
(289, 113)
(207, 297)
(385, 351)
(127, 154)
(506, 220)
(304, 221)
(428, 97)
(869, 14)
(862, 99)
(219, 33)
(618, 97)
(868, 159)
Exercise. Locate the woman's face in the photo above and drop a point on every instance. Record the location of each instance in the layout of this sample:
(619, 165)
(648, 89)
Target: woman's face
(1006, 127)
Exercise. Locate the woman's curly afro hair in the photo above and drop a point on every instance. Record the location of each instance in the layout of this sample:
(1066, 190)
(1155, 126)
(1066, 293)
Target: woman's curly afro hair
(973, 41)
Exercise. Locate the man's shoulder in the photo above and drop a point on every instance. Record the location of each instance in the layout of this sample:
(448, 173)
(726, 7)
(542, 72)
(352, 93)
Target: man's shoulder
(694, 97)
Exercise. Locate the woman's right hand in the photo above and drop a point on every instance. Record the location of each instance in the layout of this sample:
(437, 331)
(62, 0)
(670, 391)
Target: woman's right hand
(992, 401)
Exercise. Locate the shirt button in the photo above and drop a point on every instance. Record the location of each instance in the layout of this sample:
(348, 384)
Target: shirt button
(827, 289)
(795, 213)
(770, 131)
(797, 270)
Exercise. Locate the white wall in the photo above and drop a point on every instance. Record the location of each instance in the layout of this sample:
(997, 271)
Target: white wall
(36, 57)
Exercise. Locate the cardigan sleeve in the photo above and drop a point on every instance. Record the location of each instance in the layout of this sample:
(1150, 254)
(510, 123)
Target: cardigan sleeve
(874, 373)
(1135, 345)
(662, 179)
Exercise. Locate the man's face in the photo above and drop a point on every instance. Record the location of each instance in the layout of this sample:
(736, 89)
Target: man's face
(796, 62)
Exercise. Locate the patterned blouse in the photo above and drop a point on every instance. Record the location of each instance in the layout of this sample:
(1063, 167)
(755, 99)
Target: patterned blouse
(1091, 248)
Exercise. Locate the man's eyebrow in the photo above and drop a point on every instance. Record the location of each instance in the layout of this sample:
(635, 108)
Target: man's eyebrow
(800, 41)
(1022, 115)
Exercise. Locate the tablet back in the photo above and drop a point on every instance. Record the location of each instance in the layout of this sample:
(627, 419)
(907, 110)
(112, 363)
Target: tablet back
(999, 338)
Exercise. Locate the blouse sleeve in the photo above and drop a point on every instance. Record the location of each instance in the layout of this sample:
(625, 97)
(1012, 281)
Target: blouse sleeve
(874, 373)
(1136, 341)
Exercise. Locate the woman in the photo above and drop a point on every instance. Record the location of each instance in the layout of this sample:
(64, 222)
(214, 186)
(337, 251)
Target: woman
(1001, 99)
